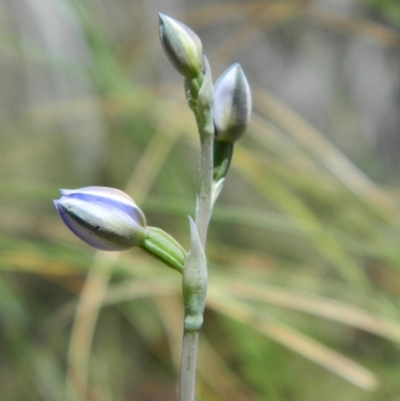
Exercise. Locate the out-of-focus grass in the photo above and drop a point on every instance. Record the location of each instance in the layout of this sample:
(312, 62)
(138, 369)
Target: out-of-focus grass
(303, 247)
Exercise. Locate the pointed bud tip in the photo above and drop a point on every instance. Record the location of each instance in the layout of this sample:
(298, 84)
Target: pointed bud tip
(182, 46)
(55, 202)
(161, 18)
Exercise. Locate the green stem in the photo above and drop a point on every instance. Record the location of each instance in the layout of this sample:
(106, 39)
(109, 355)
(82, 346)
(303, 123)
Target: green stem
(204, 206)
(195, 268)
(188, 367)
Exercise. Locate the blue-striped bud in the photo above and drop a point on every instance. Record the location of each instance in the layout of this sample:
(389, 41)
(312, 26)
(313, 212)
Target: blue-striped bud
(182, 46)
(232, 105)
(105, 218)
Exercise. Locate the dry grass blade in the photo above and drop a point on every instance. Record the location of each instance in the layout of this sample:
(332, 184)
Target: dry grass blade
(219, 13)
(29, 262)
(296, 341)
(136, 289)
(171, 315)
(84, 324)
(217, 374)
(327, 308)
(270, 15)
(322, 150)
(222, 12)
(371, 29)
(96, 284)
(249, 166)
(153, 158)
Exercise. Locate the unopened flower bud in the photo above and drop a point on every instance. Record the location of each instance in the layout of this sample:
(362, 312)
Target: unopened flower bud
(232, 105)
(182, 46)
(105, 218)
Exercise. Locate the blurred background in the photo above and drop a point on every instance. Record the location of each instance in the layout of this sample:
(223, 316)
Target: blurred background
(304, 296)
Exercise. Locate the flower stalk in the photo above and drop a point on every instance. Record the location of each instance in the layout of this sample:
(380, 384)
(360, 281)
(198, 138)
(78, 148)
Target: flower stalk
(194, 279)
(221, 118)
(108, 219)
(184, 49)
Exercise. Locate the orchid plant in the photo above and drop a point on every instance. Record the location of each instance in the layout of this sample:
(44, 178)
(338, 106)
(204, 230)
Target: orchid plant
(108, 219)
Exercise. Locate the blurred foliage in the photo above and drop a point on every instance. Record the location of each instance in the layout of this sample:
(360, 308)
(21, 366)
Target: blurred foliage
(304, 281)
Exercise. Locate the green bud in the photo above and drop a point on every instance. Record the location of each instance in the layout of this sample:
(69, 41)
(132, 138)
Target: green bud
(182, 46)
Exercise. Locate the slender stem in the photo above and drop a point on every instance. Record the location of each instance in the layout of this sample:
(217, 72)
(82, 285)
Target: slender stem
(203, 214)
(206, 169)
(188, 367)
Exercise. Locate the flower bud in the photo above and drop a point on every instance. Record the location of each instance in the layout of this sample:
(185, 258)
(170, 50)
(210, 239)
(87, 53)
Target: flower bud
(105, 218)
(232, 105)
(182, 46)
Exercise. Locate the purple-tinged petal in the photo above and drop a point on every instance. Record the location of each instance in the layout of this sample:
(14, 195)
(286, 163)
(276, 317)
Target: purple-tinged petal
(107, 196)
(232, 105)
(104, 218)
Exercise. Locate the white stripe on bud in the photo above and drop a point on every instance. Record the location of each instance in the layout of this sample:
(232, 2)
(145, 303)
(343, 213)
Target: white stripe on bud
(232, 104)
(105, 218)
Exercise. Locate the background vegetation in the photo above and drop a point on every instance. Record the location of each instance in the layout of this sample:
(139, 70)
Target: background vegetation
(304, 300)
